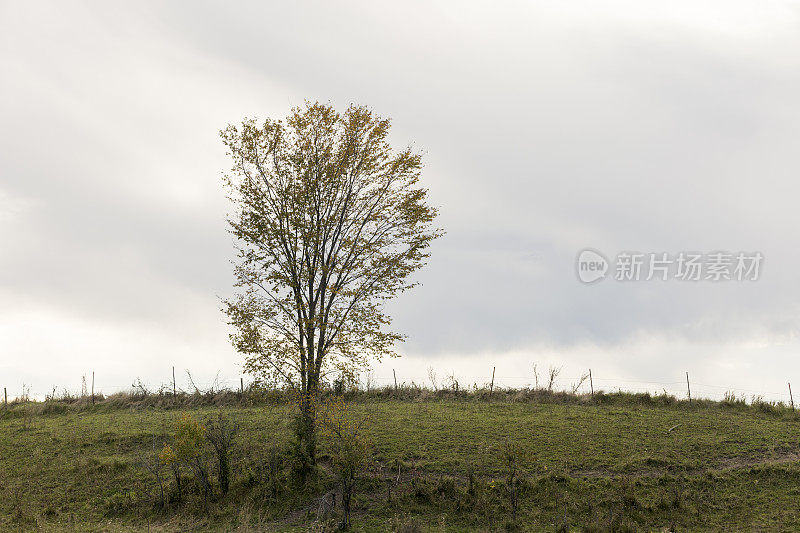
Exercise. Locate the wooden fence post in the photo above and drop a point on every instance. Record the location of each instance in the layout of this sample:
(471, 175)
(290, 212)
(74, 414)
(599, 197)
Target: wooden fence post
(791, 399)
(92, 387)
(491, 387)
(241, 384)
(591, 384)
(5, 397)
(688, 388)
(395, 379)
(174, 392)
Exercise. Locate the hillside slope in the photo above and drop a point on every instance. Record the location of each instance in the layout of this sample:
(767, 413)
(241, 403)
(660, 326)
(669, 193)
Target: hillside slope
(436, 464)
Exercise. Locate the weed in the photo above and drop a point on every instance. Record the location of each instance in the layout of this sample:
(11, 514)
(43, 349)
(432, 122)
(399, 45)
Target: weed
(512, 456)
(220, 433)
(119, 503)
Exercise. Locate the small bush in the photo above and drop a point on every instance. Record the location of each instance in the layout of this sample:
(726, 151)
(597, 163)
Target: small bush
(221, 433)
(186, 448)
(21, 512)
(349, 447)
(406, 525)
(119, 502)
(513, 457)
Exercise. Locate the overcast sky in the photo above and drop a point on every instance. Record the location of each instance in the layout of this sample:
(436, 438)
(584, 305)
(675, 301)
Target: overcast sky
(547, 128)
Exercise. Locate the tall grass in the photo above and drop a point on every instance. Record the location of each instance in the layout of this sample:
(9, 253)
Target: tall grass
(139, 398)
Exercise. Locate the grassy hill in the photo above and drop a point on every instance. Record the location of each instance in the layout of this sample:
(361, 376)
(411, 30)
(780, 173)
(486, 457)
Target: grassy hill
(613, 462)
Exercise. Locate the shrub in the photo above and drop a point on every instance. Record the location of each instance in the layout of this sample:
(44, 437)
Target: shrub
(409, 525)
(170, 458)
(513, 457)
(21, 512)
(220, 433)
(152, 463)
(119, 502)
(187, 449)
(349, 447)
(268, 469)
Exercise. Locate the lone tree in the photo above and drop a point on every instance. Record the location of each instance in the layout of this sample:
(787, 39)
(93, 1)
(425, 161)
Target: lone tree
(330, 223)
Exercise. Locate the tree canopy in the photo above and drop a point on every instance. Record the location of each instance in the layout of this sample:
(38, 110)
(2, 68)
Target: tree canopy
(330, 222)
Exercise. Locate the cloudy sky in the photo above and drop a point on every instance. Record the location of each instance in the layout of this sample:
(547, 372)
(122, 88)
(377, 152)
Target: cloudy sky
(547, 127)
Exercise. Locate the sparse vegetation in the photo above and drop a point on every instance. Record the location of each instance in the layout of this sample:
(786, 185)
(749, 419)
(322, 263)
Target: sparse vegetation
(436, 461)
(349, 448)
(221, 432)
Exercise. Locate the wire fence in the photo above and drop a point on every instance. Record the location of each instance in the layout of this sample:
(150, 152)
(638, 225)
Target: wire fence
(582, 384)
(680, 388)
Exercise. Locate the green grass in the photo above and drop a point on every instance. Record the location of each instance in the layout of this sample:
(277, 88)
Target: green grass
(595, 466)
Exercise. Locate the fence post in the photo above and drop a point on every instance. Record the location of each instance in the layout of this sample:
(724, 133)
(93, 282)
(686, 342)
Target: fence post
(395, 379)
(591, 384)
(5, 397)
(491, 387)
(92, 387)
(688, 388)
(241, 384)
(174, 393)
(791, 399)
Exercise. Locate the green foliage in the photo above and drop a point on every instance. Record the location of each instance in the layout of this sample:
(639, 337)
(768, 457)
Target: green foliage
(187, 448)
(187, 441)
(330, 222)
(597, 467)
(303, 448)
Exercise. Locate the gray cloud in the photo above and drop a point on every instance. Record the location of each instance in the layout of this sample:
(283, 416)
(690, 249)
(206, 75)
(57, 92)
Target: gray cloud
(547, 128)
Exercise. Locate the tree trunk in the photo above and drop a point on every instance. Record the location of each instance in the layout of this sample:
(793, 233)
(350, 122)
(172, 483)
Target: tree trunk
(176, 472)
(347, 493)
(309, 418)
(305, 431)
(224, 472)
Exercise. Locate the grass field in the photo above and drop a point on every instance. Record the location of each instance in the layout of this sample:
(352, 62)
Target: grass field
(619, 463)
